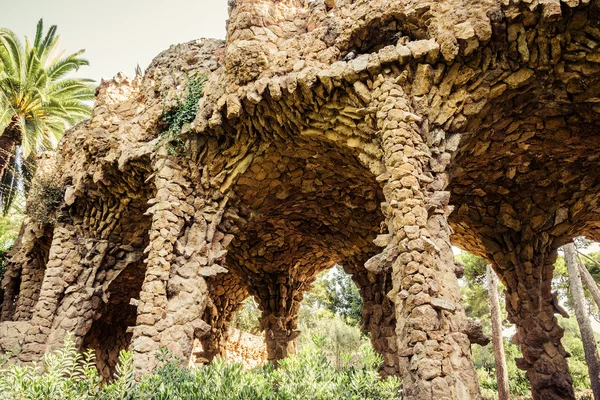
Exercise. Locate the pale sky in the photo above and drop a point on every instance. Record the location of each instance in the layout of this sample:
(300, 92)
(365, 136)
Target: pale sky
(117, 35)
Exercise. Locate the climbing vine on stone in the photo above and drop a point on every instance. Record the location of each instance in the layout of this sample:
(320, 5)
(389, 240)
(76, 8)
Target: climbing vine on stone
(183, 113)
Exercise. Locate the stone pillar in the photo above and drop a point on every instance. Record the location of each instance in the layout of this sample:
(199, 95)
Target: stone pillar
(71, 260)
(23, 279)
(279, 302)
(434, 352)
(185, 247)
(378, 314)
(526, 268)
(280, 335)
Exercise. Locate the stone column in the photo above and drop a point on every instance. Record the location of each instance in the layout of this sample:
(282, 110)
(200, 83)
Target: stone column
(71, 260)
(526, 268)
(25, 272)
(279, 302)
(185, 247)
(378, 313)
(434, 352)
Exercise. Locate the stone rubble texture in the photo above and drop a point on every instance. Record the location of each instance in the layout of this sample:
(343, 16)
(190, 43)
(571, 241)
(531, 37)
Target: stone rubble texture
(240, 347)
(369, 134)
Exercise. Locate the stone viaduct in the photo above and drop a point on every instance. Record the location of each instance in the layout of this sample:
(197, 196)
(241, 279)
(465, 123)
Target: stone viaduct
(371, 134)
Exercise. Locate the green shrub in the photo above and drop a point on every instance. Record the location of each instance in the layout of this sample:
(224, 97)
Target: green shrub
(68, 375)
(65, 374)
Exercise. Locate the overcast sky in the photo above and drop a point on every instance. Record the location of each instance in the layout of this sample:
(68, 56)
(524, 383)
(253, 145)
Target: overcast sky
(117, 35)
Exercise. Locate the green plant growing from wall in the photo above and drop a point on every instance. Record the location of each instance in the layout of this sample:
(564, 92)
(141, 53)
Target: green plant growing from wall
(45, 196)
(181, 114)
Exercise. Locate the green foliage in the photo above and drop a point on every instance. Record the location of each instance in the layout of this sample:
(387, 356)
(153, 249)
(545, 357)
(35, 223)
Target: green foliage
(65, 374)
(68, 375)
(475, 293)
(572, 342)
(335, 291)
(517, 381)
(183, 113)
(476, 304)
(246, 318)
(37, 101)
(594, 269)
(311, 376)
(9, 230)
(340, 341)
(560, 283)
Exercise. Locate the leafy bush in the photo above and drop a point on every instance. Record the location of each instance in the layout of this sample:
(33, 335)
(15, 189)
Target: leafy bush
(339, 340)
(68, 375)
(65, 374)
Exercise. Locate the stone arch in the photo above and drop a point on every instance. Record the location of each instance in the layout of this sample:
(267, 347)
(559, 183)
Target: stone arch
(116, 265)
(295, 205)
(110, 331)
(227, 293)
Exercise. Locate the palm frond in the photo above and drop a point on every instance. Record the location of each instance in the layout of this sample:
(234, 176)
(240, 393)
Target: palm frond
(36, 100)
(65, 65)
(39, 32)
(48, 43)
(12, 54)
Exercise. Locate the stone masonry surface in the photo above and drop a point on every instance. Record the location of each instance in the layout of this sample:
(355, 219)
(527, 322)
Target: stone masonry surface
(369, 134)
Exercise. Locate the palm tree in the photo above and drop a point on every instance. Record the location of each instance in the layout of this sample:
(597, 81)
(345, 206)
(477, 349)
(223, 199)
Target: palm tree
(37, 100)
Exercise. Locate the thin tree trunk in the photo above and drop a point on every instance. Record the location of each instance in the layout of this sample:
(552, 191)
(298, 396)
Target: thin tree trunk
(8, 141)
(501, 369)
(587, 334)
(589, 281)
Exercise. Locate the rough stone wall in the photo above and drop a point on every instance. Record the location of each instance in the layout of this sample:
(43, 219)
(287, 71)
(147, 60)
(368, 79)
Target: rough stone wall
(239, 347)
(245, 348)
(365, 133)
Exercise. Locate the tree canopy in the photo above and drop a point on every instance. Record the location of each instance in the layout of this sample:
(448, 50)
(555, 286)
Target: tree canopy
(39, 100)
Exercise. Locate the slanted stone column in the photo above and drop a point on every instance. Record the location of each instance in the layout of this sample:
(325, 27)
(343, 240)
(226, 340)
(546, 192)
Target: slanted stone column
(279, 302)
(71, 260)
(525, 268)
(23, 279)
(434, 352)
(185, 247)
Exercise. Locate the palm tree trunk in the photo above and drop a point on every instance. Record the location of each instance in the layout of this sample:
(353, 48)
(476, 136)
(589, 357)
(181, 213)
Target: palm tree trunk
(501, 368)
(587, 334)
(8, 140)
(588, 280)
